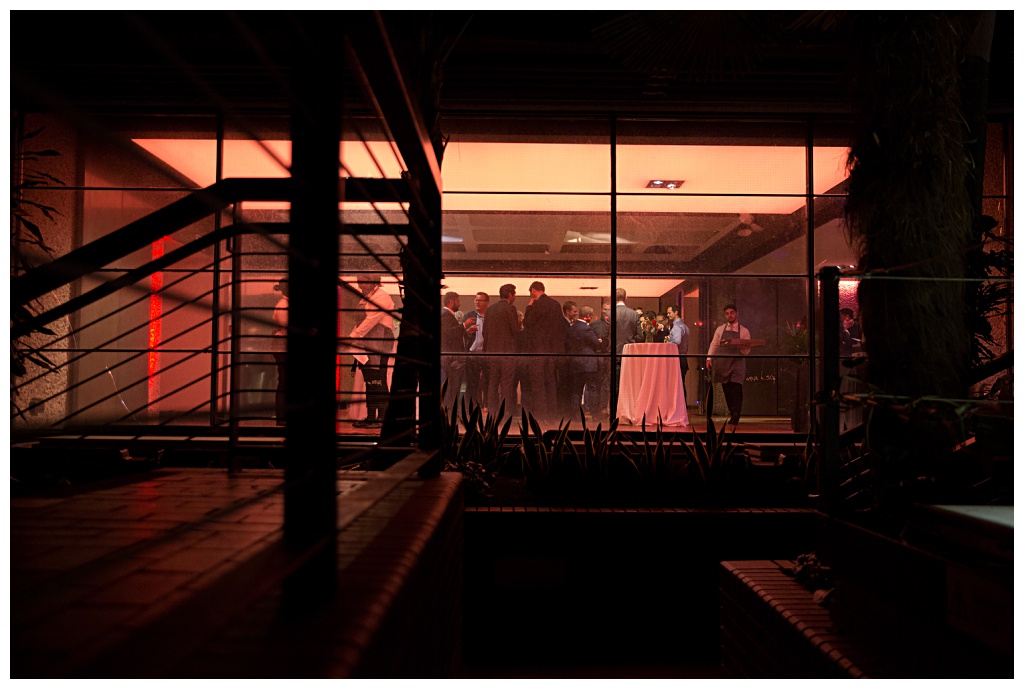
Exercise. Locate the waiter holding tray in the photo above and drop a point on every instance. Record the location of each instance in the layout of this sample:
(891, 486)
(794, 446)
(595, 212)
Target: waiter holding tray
(730, 371)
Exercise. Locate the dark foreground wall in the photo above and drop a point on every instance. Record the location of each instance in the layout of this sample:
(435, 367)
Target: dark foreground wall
(561, 586)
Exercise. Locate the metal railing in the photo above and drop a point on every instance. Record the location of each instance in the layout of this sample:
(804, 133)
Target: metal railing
(100, 381)
(858, 474)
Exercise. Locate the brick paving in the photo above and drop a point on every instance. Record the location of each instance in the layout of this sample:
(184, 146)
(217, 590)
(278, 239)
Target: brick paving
(89, 570)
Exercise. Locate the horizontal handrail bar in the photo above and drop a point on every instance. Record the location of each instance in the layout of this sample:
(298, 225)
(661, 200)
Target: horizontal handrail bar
(176, 216)
(108, 370)
(145, 231)
(126, 280)
(103, 345)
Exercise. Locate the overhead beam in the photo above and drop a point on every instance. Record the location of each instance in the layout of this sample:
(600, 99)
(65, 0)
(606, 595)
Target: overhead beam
(380, 70)
(419, 348)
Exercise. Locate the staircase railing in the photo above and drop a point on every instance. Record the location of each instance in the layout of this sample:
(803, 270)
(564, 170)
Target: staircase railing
(239, 369)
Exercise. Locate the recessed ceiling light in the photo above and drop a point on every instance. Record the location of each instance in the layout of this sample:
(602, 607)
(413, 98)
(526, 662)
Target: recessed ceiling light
(665, 183)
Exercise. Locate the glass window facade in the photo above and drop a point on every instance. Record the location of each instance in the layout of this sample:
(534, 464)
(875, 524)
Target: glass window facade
(687, 216)
(691, 216)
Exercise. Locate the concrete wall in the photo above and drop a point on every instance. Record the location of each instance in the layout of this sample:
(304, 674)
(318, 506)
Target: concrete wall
(42, 391)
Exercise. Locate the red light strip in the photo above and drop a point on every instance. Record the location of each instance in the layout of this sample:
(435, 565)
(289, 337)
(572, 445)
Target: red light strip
(156, 284)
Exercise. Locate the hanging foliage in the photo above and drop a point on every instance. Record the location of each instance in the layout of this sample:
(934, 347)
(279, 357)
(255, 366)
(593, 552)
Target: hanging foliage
(28, 243)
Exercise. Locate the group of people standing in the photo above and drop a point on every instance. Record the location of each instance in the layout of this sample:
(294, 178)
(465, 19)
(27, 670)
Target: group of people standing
(464, 333)
(550, 359)
(547, 359)
(543, 359)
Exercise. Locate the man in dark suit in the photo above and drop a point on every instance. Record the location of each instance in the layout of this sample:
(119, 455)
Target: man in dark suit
(477, 370)
(627, 328)
(600, 324)
(543, 333)
(596, 393)
(581, 342)
(453, 347)
(627, 323)
(500, 333)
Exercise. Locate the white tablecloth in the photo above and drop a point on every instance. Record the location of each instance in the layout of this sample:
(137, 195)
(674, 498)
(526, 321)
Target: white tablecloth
(649, 384)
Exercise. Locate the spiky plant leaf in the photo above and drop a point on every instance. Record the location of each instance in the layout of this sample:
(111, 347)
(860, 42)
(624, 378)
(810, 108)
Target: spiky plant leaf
(504, 431)
(561, 436)
(41, 361)
(535, 426)
(576, 456)
(716, 451)
(47, 153)
(693, 460)
(31, 227)
(631, 458)
(701, 453)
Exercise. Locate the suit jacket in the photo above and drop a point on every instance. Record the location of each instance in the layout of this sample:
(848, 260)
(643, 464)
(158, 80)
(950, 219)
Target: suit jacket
(627, 327)
(453, 335)
(580, 339)
(543, 327)
(471, 337)
(603, 332)
(501, 327)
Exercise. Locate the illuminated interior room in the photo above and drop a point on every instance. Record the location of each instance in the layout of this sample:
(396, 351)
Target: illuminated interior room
(536, 205)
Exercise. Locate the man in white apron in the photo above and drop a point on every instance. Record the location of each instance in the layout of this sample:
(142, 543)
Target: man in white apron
(727, 370)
